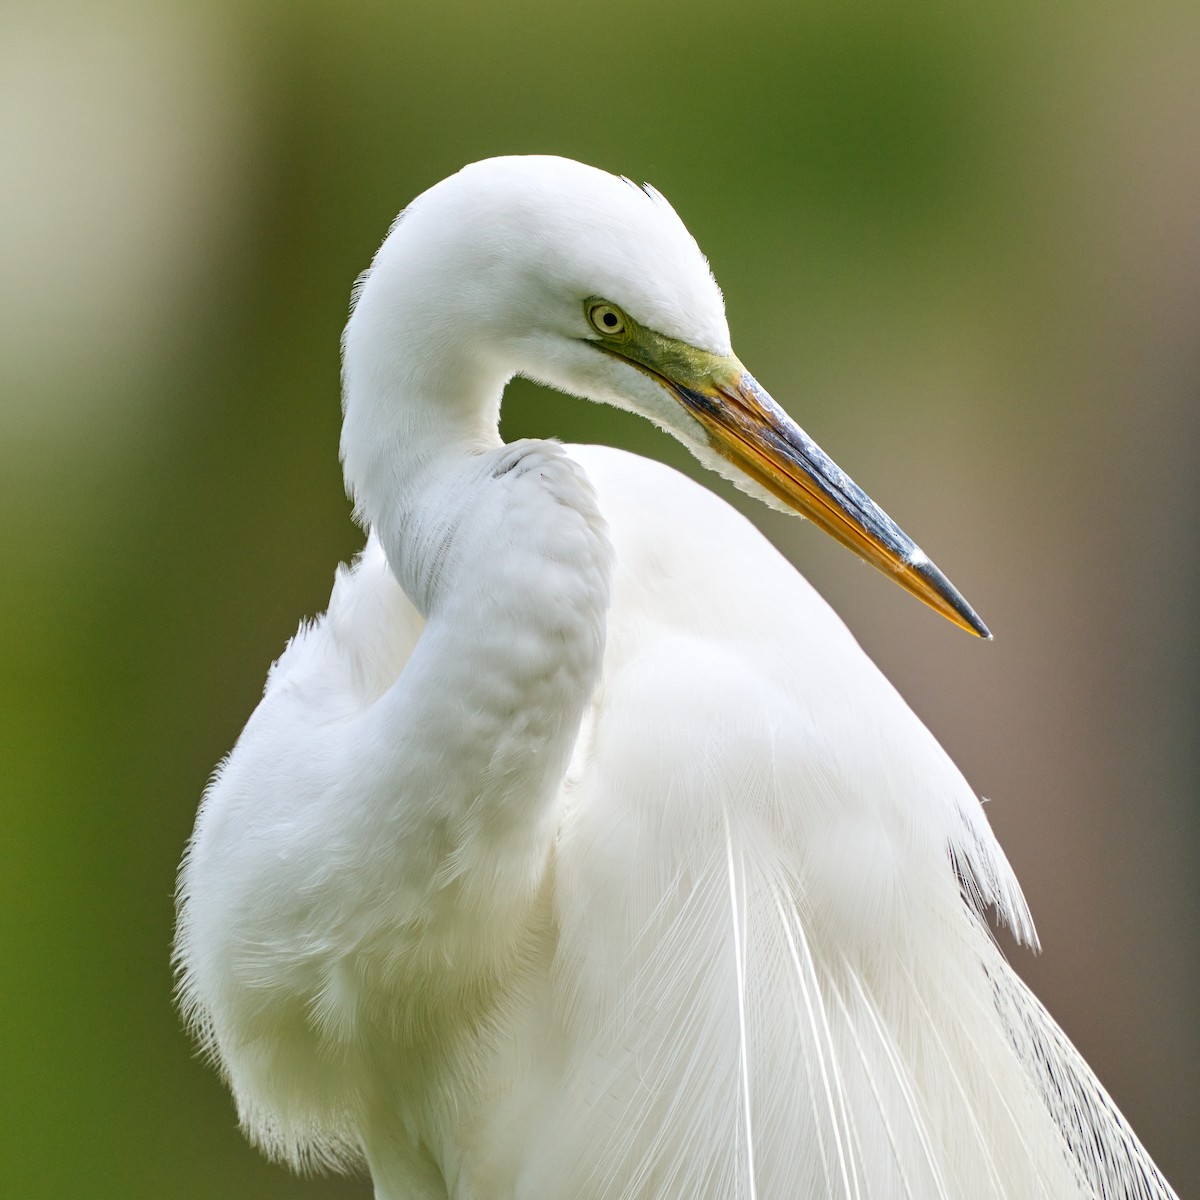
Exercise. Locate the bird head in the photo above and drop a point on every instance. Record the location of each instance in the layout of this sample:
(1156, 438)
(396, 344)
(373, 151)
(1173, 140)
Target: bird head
(546, 268)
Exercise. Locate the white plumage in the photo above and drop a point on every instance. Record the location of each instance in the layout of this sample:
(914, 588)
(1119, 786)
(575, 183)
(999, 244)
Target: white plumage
(578, 852)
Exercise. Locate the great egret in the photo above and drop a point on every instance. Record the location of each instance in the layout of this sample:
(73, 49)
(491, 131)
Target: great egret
(578, 852)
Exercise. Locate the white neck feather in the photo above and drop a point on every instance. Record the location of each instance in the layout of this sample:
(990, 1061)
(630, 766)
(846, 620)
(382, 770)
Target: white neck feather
(503, 549)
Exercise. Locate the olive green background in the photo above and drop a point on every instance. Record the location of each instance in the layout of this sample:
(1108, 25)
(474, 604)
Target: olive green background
(960, 242)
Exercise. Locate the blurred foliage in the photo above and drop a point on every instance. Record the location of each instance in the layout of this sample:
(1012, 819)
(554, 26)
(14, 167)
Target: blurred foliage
(959, 242)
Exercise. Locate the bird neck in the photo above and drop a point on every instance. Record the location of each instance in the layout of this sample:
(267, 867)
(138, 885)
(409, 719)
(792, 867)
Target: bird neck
(421, 448)
(406, 427)
(507, 555)
(504, 551)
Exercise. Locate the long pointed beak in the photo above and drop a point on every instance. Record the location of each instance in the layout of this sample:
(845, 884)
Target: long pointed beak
(747, 427)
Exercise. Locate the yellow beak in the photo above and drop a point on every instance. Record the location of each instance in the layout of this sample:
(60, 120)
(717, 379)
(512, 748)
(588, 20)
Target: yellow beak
(745, 425)
(748, 429)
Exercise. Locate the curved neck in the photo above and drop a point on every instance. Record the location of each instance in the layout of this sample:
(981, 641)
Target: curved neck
(507, 555)
(406, 416)
(504, 551)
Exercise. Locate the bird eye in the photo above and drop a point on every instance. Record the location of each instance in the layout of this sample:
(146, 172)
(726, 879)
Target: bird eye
(607, 320)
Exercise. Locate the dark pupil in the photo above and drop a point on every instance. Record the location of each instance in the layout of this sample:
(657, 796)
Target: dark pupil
(610, 319)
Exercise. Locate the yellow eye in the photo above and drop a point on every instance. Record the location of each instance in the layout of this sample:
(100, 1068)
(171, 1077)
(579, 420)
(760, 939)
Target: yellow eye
(607, 320)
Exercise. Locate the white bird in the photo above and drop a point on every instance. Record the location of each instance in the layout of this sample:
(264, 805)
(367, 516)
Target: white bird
(578, 852)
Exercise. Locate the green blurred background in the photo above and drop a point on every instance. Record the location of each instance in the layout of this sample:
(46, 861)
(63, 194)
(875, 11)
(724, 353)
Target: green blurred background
(961, 242)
